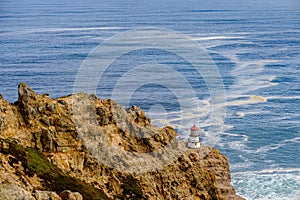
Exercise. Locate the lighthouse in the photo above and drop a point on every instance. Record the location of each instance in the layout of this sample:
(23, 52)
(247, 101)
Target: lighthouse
(194, 138)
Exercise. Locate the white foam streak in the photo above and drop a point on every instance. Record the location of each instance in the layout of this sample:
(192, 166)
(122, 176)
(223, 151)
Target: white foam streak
(245, 137)
(253, 99)
(283, 97)
(271, 147)
(217, 38)
(43, 30)
(271, 171)
(243, 114)
(208, 44)
(248, 77)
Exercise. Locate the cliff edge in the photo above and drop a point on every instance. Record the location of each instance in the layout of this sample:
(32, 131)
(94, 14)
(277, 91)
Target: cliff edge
(82, 147)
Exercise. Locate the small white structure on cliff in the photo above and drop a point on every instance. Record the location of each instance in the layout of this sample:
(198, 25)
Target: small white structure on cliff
(194, 138)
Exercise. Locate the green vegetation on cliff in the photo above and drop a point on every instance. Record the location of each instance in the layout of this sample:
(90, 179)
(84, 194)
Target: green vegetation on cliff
(35, 163)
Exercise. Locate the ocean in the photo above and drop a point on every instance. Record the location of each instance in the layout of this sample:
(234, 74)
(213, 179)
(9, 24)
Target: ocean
(255, 46)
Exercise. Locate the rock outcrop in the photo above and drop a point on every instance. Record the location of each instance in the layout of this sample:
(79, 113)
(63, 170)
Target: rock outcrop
(81, 147)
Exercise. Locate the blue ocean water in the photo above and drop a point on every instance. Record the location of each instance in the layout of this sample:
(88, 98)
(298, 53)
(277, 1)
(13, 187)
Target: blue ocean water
(255, 44)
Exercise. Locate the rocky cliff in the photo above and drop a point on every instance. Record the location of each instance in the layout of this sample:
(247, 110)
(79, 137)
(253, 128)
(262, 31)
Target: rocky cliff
(82, 147)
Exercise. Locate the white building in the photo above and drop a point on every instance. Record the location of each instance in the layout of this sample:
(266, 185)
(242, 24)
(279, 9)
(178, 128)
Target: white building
(194, 138)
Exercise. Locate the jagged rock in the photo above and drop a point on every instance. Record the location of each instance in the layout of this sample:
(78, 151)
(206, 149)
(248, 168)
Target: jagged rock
(68, 195)
(137, 115)
(107, 150)
(47, 140)
(12, 124)
(3, 123)
(46, 195)
(15, 192)
(25, 92)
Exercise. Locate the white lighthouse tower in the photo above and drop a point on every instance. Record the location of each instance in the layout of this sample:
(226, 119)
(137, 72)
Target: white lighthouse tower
(194, 138)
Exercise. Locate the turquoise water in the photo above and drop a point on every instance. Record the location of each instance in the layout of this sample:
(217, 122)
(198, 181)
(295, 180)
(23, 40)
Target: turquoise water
(255, 45)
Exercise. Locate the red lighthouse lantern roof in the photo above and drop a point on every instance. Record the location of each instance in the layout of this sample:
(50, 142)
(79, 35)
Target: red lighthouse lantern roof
(194, 128)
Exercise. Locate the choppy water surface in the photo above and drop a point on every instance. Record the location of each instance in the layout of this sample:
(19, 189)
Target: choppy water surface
(255, 46)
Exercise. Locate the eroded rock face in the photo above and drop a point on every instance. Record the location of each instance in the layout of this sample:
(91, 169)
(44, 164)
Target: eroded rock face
(68, 195)
(15, 192)
(110, 151)
(46, 195)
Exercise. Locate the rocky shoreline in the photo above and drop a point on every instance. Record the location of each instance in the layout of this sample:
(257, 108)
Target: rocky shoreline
(96, 149)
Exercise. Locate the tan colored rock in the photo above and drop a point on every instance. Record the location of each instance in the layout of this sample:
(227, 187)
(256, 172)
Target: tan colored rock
(46, 195)
(15, 192)
(12, 124)
(105, 146)
(68, 195)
